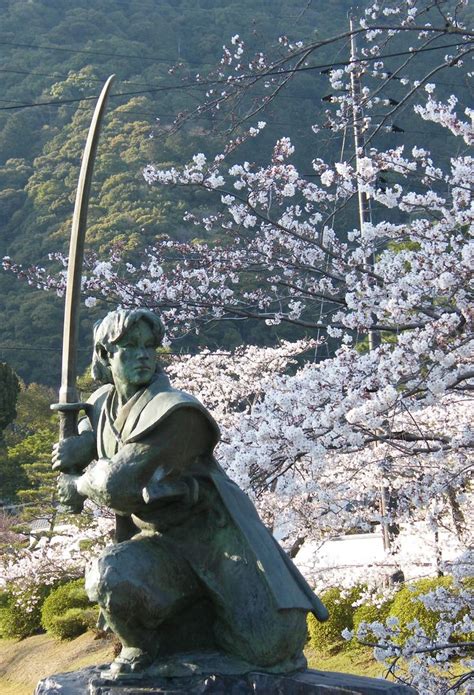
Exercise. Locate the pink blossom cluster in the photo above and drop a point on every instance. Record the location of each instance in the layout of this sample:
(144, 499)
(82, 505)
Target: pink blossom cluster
(422, 658)
(316, 440)
(58, 558)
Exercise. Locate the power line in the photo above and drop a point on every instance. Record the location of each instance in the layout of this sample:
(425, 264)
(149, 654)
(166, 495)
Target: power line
(157, 116)
(208, 83)
(55, 76)
(61, 102)
(212, 119)
(60, 76)
(84, 51)
(38, 349)
(298, 13)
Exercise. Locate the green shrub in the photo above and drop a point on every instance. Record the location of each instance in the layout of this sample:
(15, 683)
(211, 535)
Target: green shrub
(20, 612)
(327, 636)
(369, 613)
(67, 611)
(74, 622)
(407, 607)
(4, 601)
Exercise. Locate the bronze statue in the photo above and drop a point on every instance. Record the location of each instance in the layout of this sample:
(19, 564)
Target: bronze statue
(194, 582)
(194, 577)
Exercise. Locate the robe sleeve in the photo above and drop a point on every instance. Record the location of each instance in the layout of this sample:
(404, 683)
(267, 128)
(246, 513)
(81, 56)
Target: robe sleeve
(156, 469)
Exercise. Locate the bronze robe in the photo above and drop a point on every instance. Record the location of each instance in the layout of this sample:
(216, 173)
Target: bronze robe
(167, 419)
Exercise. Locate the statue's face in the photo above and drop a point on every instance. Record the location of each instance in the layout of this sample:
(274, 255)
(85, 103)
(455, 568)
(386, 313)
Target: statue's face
(133, 360)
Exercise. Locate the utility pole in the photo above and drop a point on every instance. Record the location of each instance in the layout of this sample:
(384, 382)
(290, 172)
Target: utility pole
(359, 140)
(365, 216)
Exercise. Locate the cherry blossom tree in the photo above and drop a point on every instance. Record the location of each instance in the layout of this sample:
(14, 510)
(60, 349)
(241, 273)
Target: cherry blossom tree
(365, 436)
(402, 276)
(28, 573)
(430, 662)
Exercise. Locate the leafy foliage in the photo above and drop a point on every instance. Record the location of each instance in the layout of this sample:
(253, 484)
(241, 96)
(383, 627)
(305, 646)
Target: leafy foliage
(408, 607)
(340, 604)
(67, 612)
(20, 612)
(33, 455)
(74, 622)
(371, 613)
(28, 442)
(9, 388)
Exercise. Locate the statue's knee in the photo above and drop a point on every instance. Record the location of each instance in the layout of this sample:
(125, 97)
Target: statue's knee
(102, 576)
(279, 636)
(287, 637)
(92, 579)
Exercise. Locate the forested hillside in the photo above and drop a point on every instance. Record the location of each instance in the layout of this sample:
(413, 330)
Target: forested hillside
(336, 212)
(54, 58)
(53, 55)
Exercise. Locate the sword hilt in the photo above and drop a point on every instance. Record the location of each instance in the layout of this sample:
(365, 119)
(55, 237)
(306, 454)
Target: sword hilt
(67, 407)
(68, 417)
(68, 428)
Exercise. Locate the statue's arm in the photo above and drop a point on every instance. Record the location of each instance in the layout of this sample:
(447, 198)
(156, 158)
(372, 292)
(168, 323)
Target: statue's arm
(75, 453)
(117, 482)
(154, 470)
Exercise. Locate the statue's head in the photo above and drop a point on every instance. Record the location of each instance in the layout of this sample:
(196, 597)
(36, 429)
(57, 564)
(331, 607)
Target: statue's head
(138, 331)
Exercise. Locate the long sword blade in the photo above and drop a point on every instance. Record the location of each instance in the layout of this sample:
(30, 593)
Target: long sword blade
(68, 391)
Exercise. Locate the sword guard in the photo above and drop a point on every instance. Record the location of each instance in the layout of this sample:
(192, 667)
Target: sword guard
(72, 407)
(68, 417)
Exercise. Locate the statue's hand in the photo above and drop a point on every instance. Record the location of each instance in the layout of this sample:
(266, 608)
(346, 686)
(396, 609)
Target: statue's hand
(71, 501)
(159, 491)
(73, 453)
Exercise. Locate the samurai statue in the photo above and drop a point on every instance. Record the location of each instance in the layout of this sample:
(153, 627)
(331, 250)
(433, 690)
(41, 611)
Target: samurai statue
(193, 577)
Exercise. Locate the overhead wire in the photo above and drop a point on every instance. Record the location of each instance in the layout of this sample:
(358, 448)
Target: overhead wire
(207, 83)
(208, 9)
(84, 51)
(62, 76)
(151, 89)
(179, 59)
(38, 349)
(193, 84)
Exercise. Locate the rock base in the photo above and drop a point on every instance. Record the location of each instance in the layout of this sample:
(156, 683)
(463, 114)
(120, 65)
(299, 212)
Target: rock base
(89, 681)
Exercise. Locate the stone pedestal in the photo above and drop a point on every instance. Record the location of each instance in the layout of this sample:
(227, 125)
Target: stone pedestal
(89, 681)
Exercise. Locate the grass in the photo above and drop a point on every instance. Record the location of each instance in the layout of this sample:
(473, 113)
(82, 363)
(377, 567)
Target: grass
(23, 663)
(357, 661)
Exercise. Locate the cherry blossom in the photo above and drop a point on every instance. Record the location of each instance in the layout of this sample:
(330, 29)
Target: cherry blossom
(362, 438)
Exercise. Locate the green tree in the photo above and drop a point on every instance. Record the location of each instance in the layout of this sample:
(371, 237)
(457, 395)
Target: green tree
(33, 456)
(10, 477)
(9, 389)
(28, 440)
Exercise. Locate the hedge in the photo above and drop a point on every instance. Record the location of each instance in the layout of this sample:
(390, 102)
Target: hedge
(327, 636)
(67, 611)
